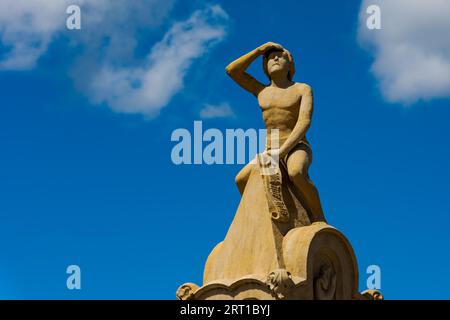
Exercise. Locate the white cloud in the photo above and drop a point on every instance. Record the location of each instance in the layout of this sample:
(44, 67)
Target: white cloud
(27, 28)
(411, 51)
(107, 69)
(222, 110)
(147, 89)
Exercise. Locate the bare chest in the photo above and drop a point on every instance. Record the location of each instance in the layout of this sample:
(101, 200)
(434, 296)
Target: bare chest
(275, 98)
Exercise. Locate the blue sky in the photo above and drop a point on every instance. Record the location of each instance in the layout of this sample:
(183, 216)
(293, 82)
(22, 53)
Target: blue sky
(86, 175)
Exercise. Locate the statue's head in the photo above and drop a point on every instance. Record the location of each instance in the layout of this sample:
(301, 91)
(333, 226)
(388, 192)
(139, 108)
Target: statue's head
(278, 61)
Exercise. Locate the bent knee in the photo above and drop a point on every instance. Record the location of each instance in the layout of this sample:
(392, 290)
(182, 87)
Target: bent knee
(297, 171)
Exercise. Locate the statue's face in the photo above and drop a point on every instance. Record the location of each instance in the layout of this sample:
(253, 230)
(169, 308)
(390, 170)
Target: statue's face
(277, 62)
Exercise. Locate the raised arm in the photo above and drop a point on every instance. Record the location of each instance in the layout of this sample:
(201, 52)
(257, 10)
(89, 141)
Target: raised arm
(236, 69)
(303, 122)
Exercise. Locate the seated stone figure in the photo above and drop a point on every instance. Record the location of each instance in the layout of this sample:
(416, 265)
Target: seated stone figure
(279, 245)
(288, 107)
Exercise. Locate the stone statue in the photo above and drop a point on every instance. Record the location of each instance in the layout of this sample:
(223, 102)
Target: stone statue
(279, 245)
(286, 106)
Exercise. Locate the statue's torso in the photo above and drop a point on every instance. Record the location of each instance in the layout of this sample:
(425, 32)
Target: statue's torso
(280, 109)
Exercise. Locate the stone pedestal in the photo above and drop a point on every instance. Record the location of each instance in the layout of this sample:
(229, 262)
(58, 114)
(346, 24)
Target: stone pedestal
(266, 256)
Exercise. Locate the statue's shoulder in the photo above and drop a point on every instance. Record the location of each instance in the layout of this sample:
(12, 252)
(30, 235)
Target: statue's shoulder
(303, 88)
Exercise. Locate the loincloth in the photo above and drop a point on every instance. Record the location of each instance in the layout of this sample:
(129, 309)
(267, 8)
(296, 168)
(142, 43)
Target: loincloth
(301, 145)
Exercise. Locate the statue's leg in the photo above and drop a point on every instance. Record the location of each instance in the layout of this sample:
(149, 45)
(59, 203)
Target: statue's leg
(242, 177)
(297, 167)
